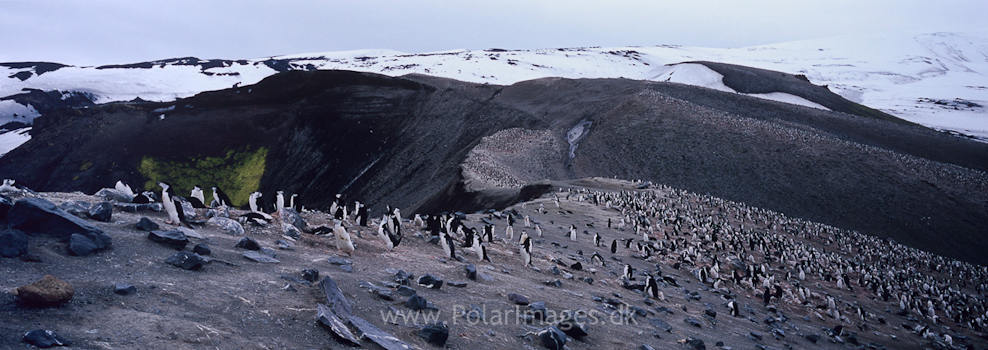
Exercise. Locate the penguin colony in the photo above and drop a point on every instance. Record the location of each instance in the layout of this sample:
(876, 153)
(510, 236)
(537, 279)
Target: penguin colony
(733, 249)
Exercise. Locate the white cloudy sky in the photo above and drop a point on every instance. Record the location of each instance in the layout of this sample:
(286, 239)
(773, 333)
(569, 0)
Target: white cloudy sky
(91, 32)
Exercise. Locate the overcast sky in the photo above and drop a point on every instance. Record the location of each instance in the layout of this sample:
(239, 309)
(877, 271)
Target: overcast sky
(93, 32)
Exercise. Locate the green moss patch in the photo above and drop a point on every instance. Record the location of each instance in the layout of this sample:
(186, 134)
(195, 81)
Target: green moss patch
(237, 173)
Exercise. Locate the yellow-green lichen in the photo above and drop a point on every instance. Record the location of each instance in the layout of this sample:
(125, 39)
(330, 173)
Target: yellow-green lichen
(85, 165)
(237, 173)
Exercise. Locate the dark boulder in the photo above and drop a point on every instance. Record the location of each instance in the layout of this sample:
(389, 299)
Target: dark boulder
(471, 271)
(80, 245)
(77, 208)
(39, 216)
(5, 205)
(430, 281)
(12, 243)
(124, 289)
(259, 257)
(146, 224)
(435, 333)
(202, 249)
(186, 260)
(573, 327)
(415, 302)
(518, 299)
(310, 275)
(174, 239)
(248, 243)
(101, 212)
(290, 216)
(552, 338)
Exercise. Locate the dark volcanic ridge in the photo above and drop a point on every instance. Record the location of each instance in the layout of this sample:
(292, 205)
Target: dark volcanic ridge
(828, 288)
(415, 142)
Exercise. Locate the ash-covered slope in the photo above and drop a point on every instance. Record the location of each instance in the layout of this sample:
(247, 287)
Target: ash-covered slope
(419, 142)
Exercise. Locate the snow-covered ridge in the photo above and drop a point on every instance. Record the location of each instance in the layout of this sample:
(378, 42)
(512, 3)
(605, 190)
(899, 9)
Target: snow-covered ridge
(939, 80)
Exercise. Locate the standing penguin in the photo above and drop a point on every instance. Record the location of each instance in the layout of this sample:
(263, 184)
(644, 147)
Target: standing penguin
(279, 202)
(629, 272)
(596, 259)
(526, 251)
(596, 239)
(343, 241)
(651, 287)
(124, 188)
(252, 201)
(538, 230)
(449, 248)
(614, 246)
(572, 233)
(171, 204)
(292, 202)
(733, 305)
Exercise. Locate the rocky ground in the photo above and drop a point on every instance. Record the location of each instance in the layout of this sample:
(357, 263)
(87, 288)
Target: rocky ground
(236, 303)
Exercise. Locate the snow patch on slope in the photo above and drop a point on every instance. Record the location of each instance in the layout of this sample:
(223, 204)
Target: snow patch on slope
(12, 139)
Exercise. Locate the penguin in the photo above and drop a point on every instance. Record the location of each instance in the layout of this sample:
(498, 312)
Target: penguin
(291, 203)
(279, 201)
(221, 198)
(448, 246)
(733, 306)
(528, 221)
(596, 259)
(418, 222)
(343, 241)
(523, 237)
(510, 232)
(572, 233)
(172, 206)
(252, 202)
(8, 187)
(259, 219)
(651, 287)
(767, 296)
(197, 198)
(614, 246)
(489, 233)
(629, 272)
(124, 188)
(538, 230)
(483, 253)
(390, 238)
(596, 239)
(526, 251)
(469, 237)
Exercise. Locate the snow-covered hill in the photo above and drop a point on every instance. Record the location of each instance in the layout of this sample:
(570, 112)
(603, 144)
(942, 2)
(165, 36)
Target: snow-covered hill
(939, 80)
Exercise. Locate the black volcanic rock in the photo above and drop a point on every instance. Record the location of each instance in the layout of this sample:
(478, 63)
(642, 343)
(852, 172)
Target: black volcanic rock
(146, 224)
(39, 216)
(77, 208)
(430, 281)
(102, 211)
(12, 243)
(434, 333)
(552, 338)
(124, 289)
(81, 245)
(5, 205)
(417, 303)
(202, 249)
(174, 239)
(186, 260)
(471, 271)
(248, 243)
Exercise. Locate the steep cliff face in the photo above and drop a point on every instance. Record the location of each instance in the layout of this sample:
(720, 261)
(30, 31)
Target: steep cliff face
(431, 144)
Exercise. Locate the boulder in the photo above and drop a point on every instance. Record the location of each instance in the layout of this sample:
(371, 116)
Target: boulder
(124, 289)
(12, 243)
(430, 281)
(326, 317)
(291, 217)
(77, 208)
(43, 338)
(146, 224)
(202, 249)
(290, 231)
(102, 211)
(471, 271)
(552, 338)
(49, 291)
(39, 216)
(415, 302)
(111, 194)
(335, 299)
(573, 327)
(80, 245)
(259, 257)
(248, 243)
(518, 299)
(5, 205)
(186, 260)
(228, 225)
(376, 335)
(435, 333)
(310, 275)
(174, 239)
